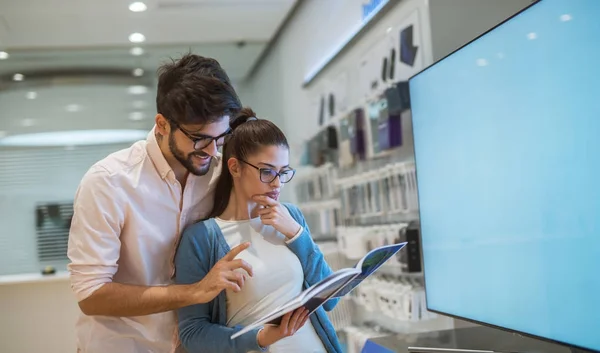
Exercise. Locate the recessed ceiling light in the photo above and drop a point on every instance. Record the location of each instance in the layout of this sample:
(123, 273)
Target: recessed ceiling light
(74, 138)
(532, 36)
(18, 77)
(137, 38)
(28, 122)
(136, 116)
(138, 7)
(73, 108)
(136, 51)
(31, 95)
(137, 89)
(138, 72)
(139, 104)
(3, 55)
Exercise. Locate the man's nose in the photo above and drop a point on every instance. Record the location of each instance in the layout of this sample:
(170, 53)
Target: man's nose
(212, 149)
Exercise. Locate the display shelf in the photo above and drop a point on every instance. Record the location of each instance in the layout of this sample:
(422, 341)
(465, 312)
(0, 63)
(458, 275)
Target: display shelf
(403, 327)
(60, 276)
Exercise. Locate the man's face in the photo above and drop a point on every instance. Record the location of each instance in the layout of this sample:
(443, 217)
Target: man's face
(184, 138)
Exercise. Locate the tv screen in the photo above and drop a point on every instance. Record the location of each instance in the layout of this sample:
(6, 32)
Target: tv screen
(507, 148)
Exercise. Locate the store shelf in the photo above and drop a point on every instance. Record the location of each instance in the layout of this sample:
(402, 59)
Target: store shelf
(61, 276)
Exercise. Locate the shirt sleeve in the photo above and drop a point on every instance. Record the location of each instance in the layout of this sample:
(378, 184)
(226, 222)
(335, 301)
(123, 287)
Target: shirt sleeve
(94, 236)
(313, 261)
(197, 330)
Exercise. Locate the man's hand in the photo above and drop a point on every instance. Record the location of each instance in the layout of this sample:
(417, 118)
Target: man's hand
(224, 275)
(277, 215)
(290, 324)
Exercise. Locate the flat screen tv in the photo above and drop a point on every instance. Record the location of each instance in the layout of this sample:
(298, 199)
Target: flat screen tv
(507, 147)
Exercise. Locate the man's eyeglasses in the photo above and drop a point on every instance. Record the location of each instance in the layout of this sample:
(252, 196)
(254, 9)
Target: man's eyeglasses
(202, 141)
(267, 175)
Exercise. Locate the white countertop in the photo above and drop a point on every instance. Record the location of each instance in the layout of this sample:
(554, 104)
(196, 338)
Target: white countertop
(33, 278)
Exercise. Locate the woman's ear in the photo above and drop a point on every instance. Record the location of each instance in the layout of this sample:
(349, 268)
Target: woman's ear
(234, 167)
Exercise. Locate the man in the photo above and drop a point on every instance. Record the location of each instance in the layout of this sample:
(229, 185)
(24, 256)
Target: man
(131, 207)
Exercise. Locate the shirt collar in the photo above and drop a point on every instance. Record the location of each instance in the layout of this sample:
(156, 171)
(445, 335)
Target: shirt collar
(156, 155)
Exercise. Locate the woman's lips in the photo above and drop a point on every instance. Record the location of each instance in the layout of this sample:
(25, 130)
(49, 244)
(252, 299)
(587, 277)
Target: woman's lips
(273, 195)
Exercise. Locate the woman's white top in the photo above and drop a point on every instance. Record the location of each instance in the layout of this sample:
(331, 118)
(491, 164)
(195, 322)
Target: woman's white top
(278, 277)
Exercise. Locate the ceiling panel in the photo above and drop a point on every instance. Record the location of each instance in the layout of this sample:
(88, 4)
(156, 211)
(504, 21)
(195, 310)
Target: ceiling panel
(69, 23)
(236, 60)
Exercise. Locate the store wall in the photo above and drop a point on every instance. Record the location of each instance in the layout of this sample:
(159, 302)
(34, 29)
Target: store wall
(38, 316)
(275, 91)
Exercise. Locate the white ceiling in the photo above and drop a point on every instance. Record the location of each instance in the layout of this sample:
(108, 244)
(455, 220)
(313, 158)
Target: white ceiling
(50, 41)
(26, 24)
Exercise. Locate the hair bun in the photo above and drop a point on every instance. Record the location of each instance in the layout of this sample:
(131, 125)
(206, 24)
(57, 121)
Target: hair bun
(245, 115)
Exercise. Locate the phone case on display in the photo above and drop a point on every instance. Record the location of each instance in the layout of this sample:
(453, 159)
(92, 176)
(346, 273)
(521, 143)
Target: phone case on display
(373, 110)
(389, 130)
(346, 158)
(384, 70)
(392, 64)
(315, 151)
(398, 97)
(322, 111)
(331, 105)
(356, 132)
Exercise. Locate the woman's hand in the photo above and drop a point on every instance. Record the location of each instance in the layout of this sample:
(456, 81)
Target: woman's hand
(277, 215)
(290, 324)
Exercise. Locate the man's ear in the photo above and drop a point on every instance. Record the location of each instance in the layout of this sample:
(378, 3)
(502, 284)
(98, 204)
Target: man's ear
(234, 167)
(162, 125)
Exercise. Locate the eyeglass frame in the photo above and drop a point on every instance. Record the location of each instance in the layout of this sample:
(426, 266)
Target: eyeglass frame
(200, 137)
(277, 174)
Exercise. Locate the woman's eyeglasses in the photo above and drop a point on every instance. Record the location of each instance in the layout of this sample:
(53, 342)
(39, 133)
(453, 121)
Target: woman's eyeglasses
(267, 175)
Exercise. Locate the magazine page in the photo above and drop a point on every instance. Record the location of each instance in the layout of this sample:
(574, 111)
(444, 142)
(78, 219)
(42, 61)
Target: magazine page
(369, 264)
(311, 298)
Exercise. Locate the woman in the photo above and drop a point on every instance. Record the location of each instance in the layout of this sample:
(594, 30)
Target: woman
(282, 256)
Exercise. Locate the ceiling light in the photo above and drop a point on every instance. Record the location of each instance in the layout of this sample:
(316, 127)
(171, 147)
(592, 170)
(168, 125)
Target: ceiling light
(74, 138)
(482, 62)
(136, 116)
(73, 108)
(31, 95)
(139, 104)
(137, 89)
(3, 55)
(138, 72)
(28, 122)
(566, 17)
(137, 38)
(138, 7)
(136, 51)
(18, 77)
(532, 36)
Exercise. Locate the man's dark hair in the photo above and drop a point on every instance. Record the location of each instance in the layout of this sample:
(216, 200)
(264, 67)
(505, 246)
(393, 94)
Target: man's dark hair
(195, 90)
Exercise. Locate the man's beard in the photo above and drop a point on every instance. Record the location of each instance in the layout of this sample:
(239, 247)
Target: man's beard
(187, 161)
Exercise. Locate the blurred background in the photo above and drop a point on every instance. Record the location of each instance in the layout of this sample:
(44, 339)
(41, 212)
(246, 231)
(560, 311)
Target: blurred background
(78, 81)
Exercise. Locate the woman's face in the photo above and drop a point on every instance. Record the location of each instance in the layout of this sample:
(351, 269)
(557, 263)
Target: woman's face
(256, 175)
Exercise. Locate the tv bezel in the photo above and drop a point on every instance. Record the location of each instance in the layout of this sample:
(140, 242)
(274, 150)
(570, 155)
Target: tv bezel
(507, 329)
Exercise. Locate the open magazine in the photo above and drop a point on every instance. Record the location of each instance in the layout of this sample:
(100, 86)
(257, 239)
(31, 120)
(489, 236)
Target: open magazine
(336, 285)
